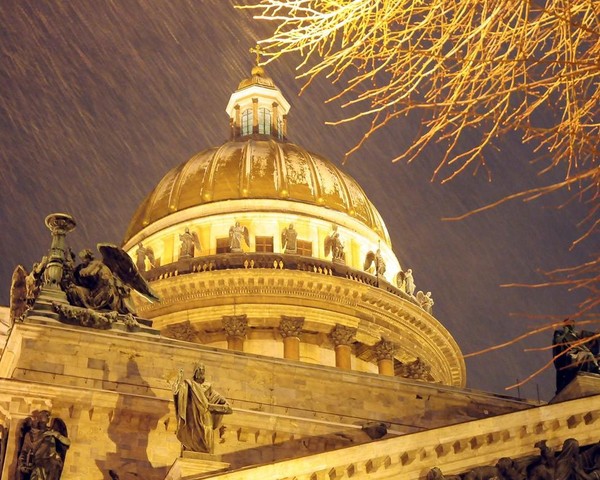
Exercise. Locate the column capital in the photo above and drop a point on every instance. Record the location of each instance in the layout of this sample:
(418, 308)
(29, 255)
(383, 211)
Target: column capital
(384, 350)
(342, 335)
(235, 325)
(291, 326)
(416, 369)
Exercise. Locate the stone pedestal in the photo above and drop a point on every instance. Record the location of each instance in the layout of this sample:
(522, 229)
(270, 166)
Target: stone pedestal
(192, 464)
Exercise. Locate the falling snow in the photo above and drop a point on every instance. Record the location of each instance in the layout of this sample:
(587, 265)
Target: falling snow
(101, 99)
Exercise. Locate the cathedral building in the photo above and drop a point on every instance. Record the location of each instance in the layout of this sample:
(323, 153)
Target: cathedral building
(267, 264)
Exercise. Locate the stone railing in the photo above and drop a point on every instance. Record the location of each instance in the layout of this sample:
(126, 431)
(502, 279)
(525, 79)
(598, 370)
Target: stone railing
(228, 261)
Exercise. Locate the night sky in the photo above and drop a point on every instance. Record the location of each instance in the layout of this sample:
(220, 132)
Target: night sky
(101, 98)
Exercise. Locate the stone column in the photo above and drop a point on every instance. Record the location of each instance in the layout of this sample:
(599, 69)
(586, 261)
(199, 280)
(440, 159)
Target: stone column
(255, 115)
(275, 120)
(285, 126)
(235, 326)
(384, 351)
(343, 337)
(237, 128)
(290, 329)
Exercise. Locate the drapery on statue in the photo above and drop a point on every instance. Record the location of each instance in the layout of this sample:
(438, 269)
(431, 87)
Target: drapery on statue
(289, 240)
(42, 449)
(105, 284)
(237, 234)
(199, 411)
(573, 353)
(189, 243)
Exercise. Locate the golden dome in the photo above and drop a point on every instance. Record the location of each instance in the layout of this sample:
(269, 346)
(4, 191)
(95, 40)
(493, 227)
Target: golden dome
(257, 168)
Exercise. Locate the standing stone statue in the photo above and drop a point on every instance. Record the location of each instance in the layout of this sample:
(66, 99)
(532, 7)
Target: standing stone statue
(289, 239)
(199, 411)
(409, 282)
(141, 254)
(237, 234)
(189, 243)
(374, 258)
(333, 244)
(425, 301)
(43, 448)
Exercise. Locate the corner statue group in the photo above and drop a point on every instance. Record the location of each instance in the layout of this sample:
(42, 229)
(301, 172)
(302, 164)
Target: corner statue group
(199, 411)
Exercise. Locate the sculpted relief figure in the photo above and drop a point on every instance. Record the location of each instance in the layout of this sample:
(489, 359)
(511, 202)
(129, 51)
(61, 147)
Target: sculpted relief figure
(189, 243)
(289, 240)
(238, 234)
(42, 448)
(199, 410)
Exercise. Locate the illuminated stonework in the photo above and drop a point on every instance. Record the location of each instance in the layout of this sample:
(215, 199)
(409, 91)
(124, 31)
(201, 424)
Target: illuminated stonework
(265, 184)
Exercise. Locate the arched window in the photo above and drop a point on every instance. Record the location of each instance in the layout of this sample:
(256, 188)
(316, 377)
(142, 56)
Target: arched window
(264, 121)
(247, 121)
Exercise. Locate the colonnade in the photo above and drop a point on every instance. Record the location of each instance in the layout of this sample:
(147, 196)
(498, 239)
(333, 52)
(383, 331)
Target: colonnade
(290, 328)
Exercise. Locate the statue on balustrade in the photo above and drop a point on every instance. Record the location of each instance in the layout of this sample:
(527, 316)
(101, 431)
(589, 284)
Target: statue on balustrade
(374, 258)
(238, 234)
(289, 240)
(189, 243)
(199, 410)
(409, 282)
(335, 247)
(425, 301)
(141, 254)
(42, 448)
(574, 352)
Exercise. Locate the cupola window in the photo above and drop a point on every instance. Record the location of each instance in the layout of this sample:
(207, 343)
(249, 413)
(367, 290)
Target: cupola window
(264, 121)
(247, 121)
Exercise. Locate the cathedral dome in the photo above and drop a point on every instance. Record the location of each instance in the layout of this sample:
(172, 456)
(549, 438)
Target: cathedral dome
(257, 167)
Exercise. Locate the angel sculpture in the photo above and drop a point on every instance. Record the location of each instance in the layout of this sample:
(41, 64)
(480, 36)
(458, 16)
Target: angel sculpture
(42, 448)
(334, 245)
(377, 259)
(425, 301)
(141, 254)
(106, 284)
(237, 234)
(189, 242)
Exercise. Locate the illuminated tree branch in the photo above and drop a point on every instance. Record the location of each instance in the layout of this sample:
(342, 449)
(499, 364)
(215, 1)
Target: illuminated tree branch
(489, 67)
